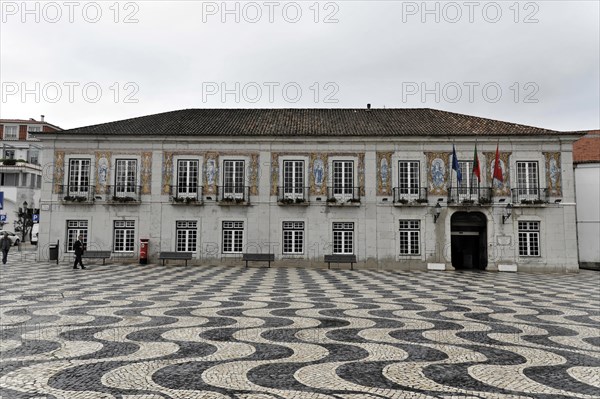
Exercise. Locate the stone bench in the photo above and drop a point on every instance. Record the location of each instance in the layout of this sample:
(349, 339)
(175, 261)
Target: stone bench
(340, 259)
(175, 256)
(258, 258)
(97, 255)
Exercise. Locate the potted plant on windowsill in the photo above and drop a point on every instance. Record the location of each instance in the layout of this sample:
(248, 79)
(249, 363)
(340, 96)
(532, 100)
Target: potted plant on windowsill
(402, 201)
(75, 198)
(286, 201)
(354, 200)
(467, 202)
(331, 200)
(123, 199)
(421, 201)
(484, 201)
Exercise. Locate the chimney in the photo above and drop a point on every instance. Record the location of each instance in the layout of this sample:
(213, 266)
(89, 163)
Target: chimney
(368, 107)
(42, 117)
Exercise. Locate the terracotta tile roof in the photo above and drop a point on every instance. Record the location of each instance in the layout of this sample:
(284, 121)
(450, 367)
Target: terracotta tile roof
(587, 148)
(310, 122)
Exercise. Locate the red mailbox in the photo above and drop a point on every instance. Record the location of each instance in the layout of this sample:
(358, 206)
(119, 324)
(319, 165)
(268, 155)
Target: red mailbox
(143, 251)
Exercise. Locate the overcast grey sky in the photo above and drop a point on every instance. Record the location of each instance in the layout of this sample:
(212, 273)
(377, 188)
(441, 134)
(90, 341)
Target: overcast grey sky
(81, 63)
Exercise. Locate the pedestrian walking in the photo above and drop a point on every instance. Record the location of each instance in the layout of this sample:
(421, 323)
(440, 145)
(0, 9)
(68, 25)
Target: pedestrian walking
(79, 248)
(5, 244)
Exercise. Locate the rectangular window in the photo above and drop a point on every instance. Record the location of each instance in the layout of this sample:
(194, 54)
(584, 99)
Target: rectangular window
(343, 238)
(124, 236)
(74, 229)
(79, 176)
(9, 154)
(233, 237)
(343, 178)
(187, 235)
(9, 179)
(187, 177)
(408, 178)
(410, 237)
(293, 238)
(34, 157)
(233, 179)
(467, 186)
(529, 238)
(125, 176)
(11, 132)
(38, 182)
(293, 179)
(527, 179)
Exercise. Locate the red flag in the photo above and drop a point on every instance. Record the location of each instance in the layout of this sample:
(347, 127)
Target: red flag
(497, 169)
(476, 168)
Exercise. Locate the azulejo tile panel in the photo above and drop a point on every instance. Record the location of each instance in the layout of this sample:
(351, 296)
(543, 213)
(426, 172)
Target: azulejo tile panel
(553, 173)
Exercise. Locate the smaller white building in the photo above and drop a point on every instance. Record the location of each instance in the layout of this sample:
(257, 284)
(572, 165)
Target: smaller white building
(20, 167)
(586, 161)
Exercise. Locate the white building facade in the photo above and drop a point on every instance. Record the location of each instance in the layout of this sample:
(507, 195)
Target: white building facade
(302, 184)
(20, 166)
(587, 182)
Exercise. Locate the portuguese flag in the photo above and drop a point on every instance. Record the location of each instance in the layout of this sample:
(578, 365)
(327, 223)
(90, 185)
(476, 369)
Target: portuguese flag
(476, 167)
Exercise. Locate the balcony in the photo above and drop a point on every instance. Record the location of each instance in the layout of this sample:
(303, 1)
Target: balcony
(76, 194)
(470, 196)
(124, 194)
(343, 196)
(187, 195)
(293, 195)
(410, 196)
(530, 196)
(233, 195)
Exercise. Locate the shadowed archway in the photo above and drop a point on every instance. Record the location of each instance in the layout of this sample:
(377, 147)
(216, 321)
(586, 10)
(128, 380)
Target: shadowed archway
(469, 240)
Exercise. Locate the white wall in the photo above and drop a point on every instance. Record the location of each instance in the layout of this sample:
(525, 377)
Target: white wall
(587, 180)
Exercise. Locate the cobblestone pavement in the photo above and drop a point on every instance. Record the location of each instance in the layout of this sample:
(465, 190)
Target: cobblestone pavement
(150, 332)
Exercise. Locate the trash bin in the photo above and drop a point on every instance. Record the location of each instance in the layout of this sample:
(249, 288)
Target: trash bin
(53, 252)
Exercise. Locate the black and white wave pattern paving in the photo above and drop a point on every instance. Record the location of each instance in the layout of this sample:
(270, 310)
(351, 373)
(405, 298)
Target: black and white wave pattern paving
(214, 332)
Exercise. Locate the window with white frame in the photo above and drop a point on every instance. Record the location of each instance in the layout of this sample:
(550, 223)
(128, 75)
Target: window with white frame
(75, 228)
(187, 235)
(124, 236)
(468, 185)
(293, 179)
(529, 238)
(9, 154)
(34, 156)
(79, 176)
(233, 237)
(343, 178)
(293, 238)
(125, 176)
(233, 179)
(11, 132)
(527, 179)
(410, 231)
(33, 129)
(187, 177)
(343, 237)
(408, 178)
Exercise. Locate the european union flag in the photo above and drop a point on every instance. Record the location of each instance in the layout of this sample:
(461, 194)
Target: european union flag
(455, 165)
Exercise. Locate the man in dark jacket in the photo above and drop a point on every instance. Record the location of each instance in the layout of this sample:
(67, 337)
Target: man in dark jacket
(5, 244)
(79, 248)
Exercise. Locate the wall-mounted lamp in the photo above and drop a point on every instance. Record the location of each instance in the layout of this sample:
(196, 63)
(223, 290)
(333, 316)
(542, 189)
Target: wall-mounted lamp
(558, 201)
(507, 213)
(437, 211)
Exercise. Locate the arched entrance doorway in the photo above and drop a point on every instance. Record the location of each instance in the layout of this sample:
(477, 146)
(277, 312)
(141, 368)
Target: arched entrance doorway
(469, 240)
